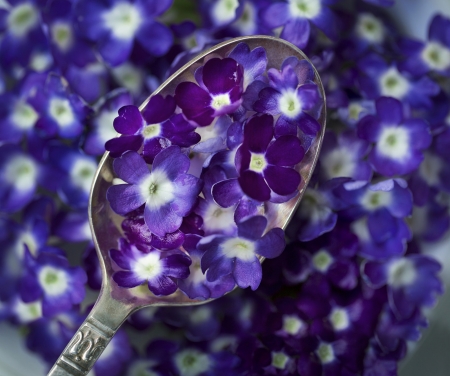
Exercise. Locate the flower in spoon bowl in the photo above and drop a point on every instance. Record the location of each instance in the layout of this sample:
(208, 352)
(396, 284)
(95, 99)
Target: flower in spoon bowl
(168, 192)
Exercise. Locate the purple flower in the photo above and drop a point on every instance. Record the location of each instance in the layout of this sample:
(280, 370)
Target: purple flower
(381, 3)
(292, 102)
(168, 192)
(116, 26)
(220, 13)
(412, 282)
(219, 93)
(115, 357)
(50, 277)
(102, 129)
(159, 270)
(398, 141)
(355, 111)
(239, 255)
(295, 17)
(157, 127)
(265, 167)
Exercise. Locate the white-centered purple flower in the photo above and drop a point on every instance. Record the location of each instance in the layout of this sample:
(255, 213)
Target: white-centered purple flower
(157, 127)
(295, 17)
(115, 26)
(238, 255)
(412, 282)
(399, 141)
(294, 96)
(265, 166)
(158, 269)
(219, 91)
(49, 277)
(168, 192)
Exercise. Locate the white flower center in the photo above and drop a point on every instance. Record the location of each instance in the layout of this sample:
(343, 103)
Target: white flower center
(62, 35)
(257, 162)
(27, 312)
(370, 28)
(373, 200)
(393, 142)
(123, 20)
(208, 132)
(223, 343)
(430, 169)
(82, 173)
(196, 275)
(359, 228)
(220, 100)
(322, 260)
(142, 368)
(21, 171)
(325, 353)
(200, 315)
(191, 362)
(393, 84)
(279, 360)
(401, 272)
(246, 23)
(224, 11)
(436, 56)
(292, 324)
(61, 111)
(26, 238)
(241, 248)
(157, 189)
(53, 281)
(40, 61)
(217, 218)
(130, 77)
(24, 116)
(149, 266)
(104, 124)
(22, 19)
(304, 8)
(338, 163)
(354, 109)
(151, 131)
(339, 319)
(289, 104)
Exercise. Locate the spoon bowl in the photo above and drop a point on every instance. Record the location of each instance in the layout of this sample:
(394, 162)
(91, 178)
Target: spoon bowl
(116, 303)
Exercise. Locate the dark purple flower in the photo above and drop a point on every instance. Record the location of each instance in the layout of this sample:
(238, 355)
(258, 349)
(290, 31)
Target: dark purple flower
(115, 26)
(159, 270)
(295, 17)
(219, 93)
(102, 129)
(398, 141)
(239, 255)
(50, 277)
(157, 128)
(412, 282)
(115, 357)
(168, 192)
(265, 167)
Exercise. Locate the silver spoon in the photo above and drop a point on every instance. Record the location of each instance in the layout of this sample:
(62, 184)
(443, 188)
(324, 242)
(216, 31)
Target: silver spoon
(114, 303)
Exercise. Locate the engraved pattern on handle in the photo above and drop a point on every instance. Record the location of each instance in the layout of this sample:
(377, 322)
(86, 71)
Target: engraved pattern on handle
(84, 349)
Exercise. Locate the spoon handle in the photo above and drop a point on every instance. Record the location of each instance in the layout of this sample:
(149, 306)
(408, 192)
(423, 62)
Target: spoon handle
(92, 337)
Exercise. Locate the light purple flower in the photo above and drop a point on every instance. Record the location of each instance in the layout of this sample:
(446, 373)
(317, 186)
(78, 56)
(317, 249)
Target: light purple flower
(295, 17)
(159, 270)
(398, 141)
(168, 192)
(239, 255)
(219, 93)
(157, 127)
(412, 282)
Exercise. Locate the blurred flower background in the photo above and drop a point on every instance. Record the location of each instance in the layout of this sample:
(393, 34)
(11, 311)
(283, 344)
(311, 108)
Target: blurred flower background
(351, 293)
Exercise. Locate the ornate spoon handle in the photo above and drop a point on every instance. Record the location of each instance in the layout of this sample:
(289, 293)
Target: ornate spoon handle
(92, 337)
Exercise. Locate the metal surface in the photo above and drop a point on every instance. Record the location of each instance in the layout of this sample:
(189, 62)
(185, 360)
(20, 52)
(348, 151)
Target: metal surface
(115, 304)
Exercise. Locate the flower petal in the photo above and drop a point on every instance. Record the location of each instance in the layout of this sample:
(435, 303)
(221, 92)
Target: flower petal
(158, 109)
(285, 151)
(282, 180)
(163, 220)
(131, 167)
(129, 120)
(271, 244)
(247, 274)
(258, 132)
(254, 185)
(127, 279)
(124, 198)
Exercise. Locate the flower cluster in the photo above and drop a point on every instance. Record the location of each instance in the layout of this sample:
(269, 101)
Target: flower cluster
(195, 170)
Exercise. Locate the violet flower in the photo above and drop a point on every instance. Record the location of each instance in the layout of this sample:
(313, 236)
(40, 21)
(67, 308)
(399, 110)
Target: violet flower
(219, 93)
(398, 141)
(295, 17)
(116, 26)
(168, 192)
(160, 271)
(239, 255)
(157, 128)
(265, 167)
